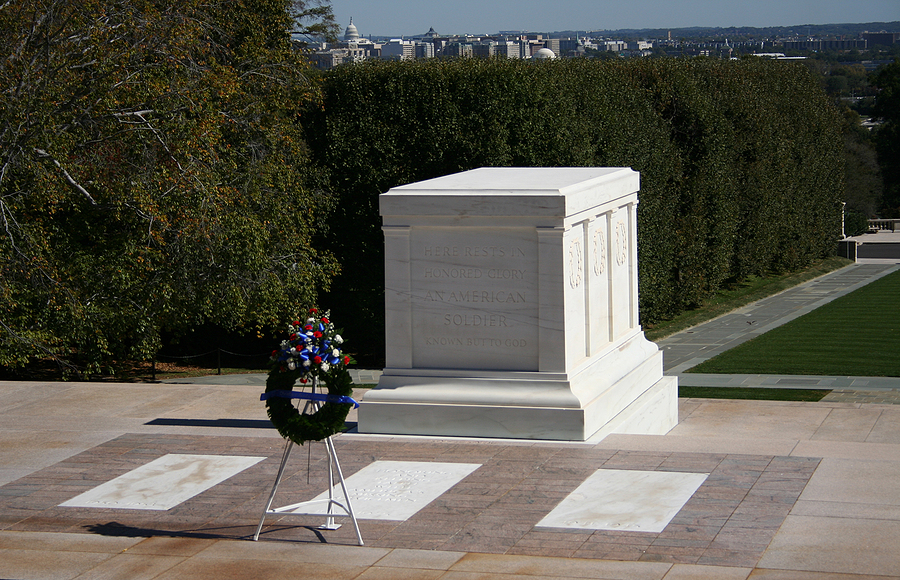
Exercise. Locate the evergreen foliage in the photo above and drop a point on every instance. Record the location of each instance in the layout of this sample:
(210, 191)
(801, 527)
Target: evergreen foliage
(741, 162)
(887, 136)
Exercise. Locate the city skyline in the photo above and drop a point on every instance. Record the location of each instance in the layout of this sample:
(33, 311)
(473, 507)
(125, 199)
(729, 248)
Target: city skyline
(404, 18)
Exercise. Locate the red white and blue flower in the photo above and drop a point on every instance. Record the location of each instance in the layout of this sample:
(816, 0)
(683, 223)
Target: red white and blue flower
(313, 347)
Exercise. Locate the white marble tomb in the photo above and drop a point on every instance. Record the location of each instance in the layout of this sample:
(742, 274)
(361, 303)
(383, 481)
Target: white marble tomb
(625, 500)
(396, 490)
(164, 482)
(511, 309)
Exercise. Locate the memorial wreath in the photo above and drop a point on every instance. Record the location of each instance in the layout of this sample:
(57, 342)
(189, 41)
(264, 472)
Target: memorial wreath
(312, 355)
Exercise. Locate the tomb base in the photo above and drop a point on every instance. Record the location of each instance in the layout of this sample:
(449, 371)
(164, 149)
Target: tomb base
(621, 391)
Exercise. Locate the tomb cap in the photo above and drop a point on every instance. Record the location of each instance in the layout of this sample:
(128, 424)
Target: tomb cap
(512, 191)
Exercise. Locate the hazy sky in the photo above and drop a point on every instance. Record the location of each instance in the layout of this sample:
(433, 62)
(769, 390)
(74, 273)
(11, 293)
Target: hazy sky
(410, 17)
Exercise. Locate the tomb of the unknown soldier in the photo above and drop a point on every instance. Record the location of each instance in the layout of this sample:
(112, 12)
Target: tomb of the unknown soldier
(511, 309)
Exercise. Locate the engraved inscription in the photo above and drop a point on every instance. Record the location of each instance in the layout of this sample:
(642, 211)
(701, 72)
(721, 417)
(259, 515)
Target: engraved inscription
(474, 297)
(478, 342)
(395, 490)
(452, 273)
(475, 320)
(473, 251)
(398, 485)
(475, 273)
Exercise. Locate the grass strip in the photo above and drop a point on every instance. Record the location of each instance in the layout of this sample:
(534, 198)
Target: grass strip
(752, 394)
(855, 335)
(737, 295)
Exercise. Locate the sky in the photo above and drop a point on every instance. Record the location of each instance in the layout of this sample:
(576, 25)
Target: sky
(411, 17)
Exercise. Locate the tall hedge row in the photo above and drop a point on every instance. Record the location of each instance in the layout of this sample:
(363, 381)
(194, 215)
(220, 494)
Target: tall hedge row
(740, 161)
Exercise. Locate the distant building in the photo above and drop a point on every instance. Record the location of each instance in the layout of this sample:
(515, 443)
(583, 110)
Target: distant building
(398, 49)
(459, 49)
(553, 44)
(881, 38)
(351, 34)
(819, 45)
(353, 48)
(569, 46)
(431, 35)
(327, 59)
(508, 49)
(640, 45)
(483, 49)
(424, 50)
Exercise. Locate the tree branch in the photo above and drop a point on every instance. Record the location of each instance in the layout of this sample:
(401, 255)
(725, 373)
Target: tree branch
(138, 114)
(38, 346)
(69, 179)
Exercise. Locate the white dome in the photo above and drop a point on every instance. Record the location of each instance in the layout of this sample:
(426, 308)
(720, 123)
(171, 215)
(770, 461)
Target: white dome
(544, 53)
(351, 33)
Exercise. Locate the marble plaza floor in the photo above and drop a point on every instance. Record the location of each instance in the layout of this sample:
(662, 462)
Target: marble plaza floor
(169, 481)
(788, 490)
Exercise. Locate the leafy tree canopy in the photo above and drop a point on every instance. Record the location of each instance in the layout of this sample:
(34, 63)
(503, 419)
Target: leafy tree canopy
(887, 79)
(315, 19)
(887, 137)
(150, 170)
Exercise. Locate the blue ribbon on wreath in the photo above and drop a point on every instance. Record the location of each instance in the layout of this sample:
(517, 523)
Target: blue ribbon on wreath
(311, 396)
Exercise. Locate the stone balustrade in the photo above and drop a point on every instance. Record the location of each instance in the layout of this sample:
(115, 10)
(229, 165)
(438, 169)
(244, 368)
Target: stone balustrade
(884, 225)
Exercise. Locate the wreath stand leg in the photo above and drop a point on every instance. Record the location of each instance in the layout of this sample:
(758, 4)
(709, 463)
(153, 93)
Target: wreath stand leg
(291, 510)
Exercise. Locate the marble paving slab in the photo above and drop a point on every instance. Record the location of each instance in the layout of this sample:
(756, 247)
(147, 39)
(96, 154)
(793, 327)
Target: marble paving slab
(625, 500)
(164, 482)
(395, 490)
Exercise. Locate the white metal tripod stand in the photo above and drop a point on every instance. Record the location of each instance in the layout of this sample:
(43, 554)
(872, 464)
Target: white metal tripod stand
(331, 503)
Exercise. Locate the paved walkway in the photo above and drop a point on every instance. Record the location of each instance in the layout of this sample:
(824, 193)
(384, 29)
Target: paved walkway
(360, 377)
(795, 490)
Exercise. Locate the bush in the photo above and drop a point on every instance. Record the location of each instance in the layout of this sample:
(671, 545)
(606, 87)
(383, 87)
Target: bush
(740, 161)
(855, 223)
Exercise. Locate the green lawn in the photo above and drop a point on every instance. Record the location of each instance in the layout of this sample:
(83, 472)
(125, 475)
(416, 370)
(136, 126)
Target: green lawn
(855, 335)
(752, 394)
(737, 295)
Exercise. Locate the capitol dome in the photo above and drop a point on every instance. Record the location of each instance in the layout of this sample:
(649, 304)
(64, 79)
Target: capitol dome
(351, 34)
(544, 53)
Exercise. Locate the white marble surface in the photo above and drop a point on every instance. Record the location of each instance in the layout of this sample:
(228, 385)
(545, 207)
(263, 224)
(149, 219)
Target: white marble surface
(474, 304)
(625, 500)
(511, 307)
(505, 191)
(395, 490)
(163, 483)
(623, 392)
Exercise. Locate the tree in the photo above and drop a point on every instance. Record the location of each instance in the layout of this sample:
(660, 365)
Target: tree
(151, 170)
(887, 136)
(863, 187)
(315, 19)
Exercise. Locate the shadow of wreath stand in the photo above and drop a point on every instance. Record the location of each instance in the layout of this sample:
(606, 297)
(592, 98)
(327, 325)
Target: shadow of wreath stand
(334, 467)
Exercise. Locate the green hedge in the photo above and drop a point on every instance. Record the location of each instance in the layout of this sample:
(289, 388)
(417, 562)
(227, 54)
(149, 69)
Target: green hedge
(740, 161)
